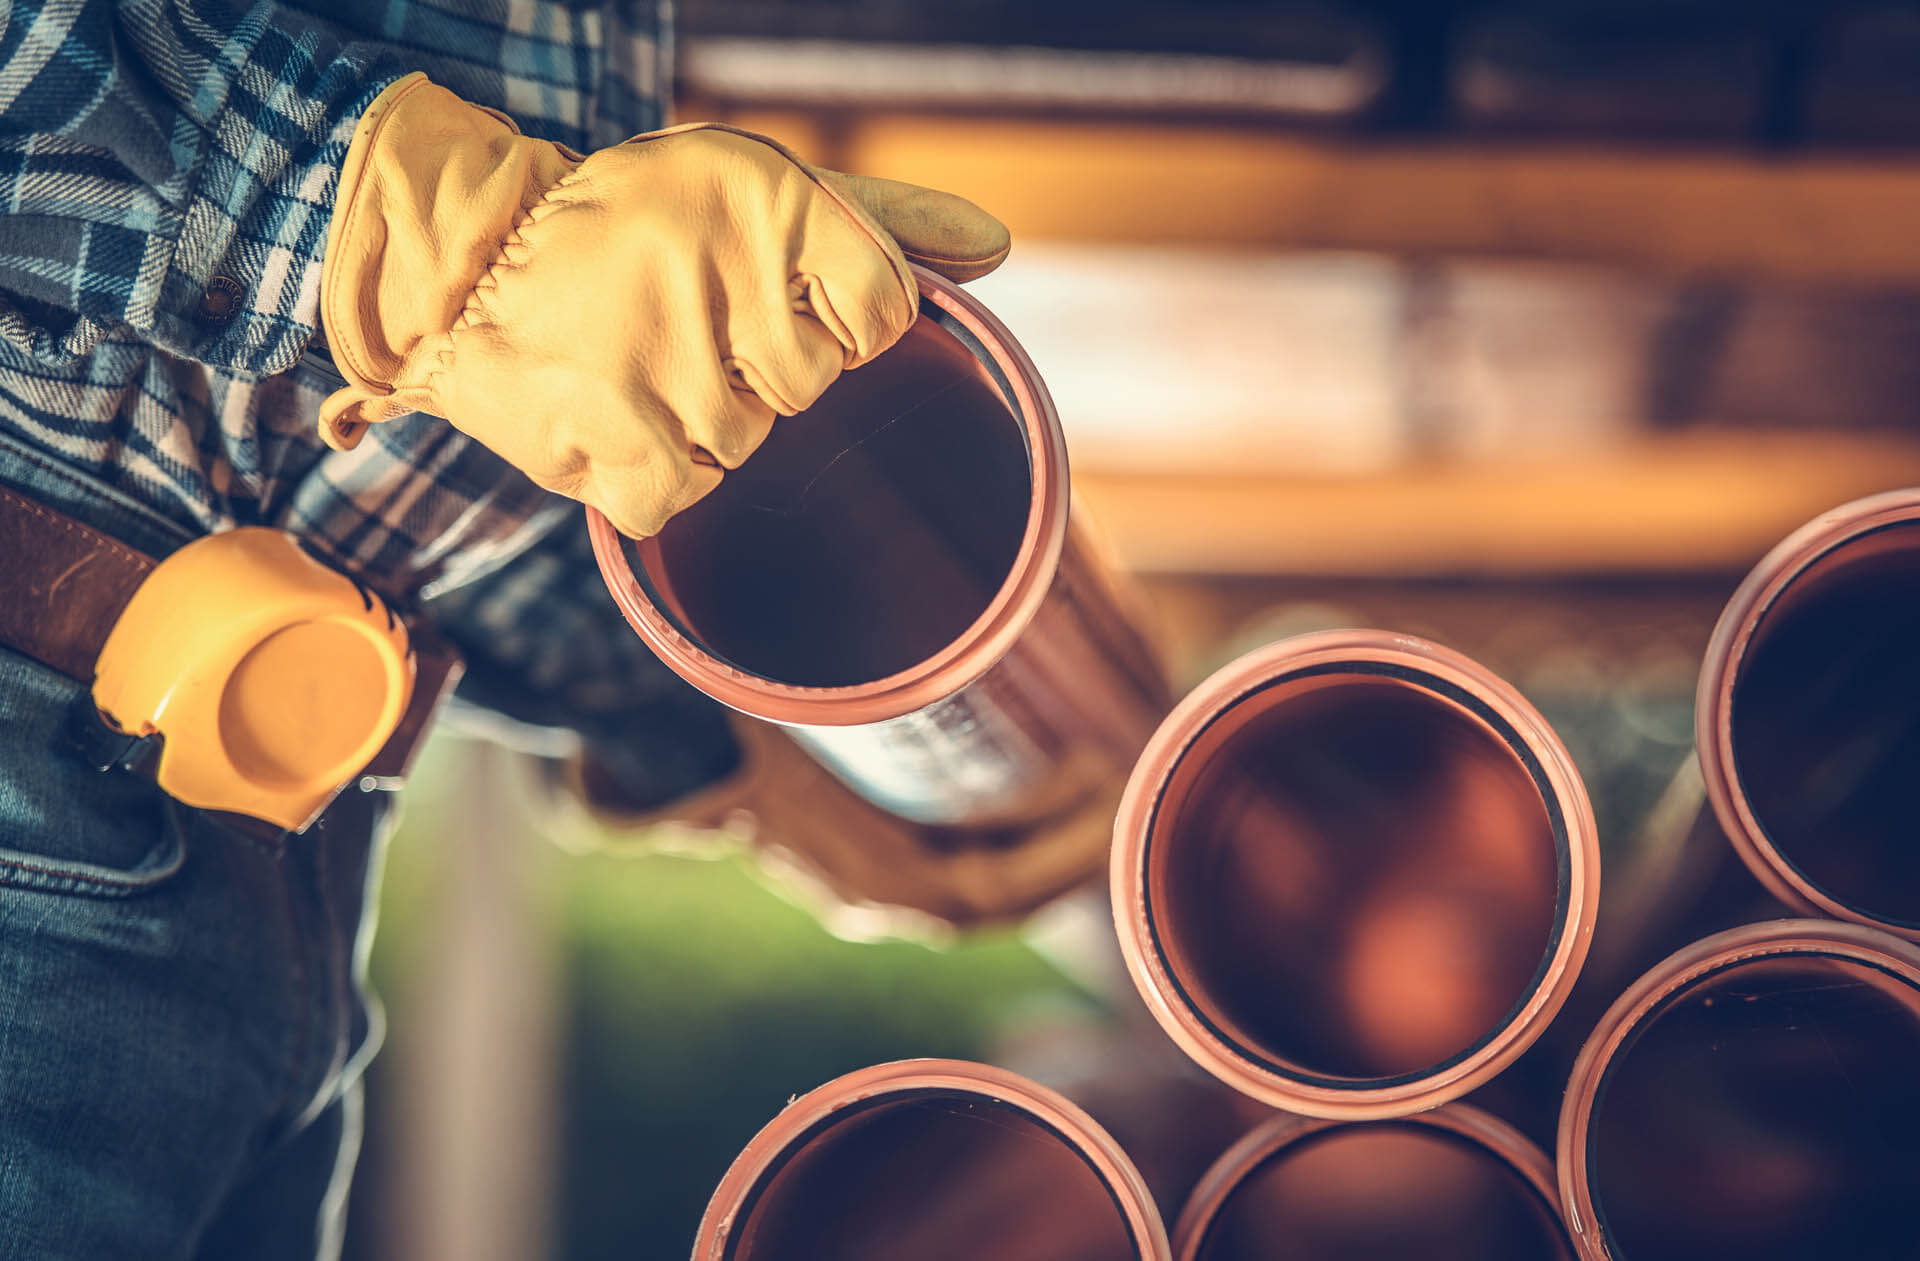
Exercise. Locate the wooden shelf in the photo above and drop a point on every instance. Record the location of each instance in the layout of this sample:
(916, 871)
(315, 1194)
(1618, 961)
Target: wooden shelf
(1703, 501)
(1690, 504)
(1844, 219)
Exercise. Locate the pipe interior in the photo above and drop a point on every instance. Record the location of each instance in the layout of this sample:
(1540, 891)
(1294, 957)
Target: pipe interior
(1768, 1112)
(935, 1178)
(866, 534)
(1353, 876)
(1825, 723)
(1385, 1191)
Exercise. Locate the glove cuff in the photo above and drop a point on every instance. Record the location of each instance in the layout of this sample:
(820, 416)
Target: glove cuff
(431, 189)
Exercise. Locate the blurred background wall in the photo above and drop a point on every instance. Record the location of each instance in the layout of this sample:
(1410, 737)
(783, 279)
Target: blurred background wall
(1526, 327)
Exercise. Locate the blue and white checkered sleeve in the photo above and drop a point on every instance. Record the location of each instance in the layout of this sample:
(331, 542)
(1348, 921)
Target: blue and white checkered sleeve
(170, 169)
(546, 647)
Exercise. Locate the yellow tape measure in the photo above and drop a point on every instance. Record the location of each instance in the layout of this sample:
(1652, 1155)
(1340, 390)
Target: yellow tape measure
(268, 678)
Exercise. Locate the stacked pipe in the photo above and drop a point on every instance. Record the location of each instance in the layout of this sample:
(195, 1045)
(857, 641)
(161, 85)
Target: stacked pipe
(1754, 1094)
(1355, 877)
(938, 1160)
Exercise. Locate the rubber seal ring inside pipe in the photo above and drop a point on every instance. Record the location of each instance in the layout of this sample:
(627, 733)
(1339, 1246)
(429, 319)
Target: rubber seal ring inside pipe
(1354, 874)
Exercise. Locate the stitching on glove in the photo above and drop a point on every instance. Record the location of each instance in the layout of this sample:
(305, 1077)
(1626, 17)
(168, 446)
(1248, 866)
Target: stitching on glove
(473, 310)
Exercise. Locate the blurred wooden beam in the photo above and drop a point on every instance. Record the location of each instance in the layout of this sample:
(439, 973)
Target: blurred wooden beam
(1845, 219)
(477, 1069)
(1345, 74)
(1696, 503)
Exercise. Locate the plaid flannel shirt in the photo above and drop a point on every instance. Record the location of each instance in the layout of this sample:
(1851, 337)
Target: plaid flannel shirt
(167, 173)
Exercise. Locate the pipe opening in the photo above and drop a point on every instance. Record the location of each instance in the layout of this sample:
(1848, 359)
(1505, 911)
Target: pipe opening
(867, 533)
(1355, 877)
(1825, 723)
(1384, 1191)
(1770, 1111)
(936, 1176)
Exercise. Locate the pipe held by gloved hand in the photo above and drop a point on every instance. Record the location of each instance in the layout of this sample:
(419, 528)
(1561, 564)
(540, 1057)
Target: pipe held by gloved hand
(893, 577)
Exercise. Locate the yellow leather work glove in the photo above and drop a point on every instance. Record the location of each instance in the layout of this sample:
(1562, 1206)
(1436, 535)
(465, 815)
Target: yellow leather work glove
(621, 327)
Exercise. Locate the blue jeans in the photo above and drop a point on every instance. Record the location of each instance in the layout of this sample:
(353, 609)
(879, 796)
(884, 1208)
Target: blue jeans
(183, 1010)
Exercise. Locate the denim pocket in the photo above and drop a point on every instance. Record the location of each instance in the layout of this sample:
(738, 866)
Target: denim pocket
(65, 827)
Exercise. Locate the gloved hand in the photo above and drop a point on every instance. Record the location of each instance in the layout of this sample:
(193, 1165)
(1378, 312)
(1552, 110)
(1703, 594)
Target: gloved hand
(621, 327)
(865, 872)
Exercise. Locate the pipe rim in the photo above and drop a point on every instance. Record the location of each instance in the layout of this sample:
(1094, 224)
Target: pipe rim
(1720, 669)
(961, 662)
(1255, 1148)
(801, 1118)
(1719, 952)
(1246, 1069)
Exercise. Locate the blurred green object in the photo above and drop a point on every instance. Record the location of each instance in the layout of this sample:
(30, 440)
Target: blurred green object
(695, 1003)
(702, 1004)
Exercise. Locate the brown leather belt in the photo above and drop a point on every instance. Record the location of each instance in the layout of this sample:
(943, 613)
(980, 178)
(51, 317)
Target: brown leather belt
(63, 585)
